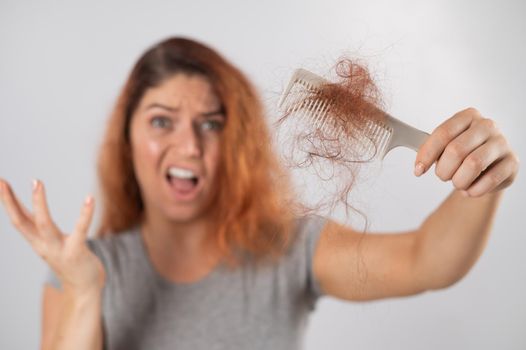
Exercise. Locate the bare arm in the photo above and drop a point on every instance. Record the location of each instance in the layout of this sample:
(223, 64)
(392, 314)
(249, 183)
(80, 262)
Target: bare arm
(351, 265)
(475, 156)
(71, 320)
(453, 237)
(354, 266)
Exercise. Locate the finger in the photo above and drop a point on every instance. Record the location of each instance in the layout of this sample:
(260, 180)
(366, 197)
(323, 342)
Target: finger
(18, 204)
(435, 144)
(45, 226)
(17, 201)
(463, 145)
(497, 174)
(478, 161)
(17, 215)
(84, 221)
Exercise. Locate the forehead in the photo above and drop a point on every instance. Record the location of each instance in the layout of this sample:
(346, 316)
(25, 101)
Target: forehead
(183, 90)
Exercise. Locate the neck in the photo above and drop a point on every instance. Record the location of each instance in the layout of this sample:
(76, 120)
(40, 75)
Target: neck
(181, 251)
(185, 238)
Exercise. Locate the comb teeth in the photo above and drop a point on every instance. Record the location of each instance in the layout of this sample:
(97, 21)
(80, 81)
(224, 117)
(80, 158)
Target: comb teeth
(371, 142)
(299, 99)
(380, 134)
(309, 110)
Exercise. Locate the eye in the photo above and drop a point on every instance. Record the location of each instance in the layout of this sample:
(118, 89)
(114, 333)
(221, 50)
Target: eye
(212, 125)
(161, 122)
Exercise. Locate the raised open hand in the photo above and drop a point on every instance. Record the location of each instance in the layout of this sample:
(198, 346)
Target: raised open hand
(68, 255)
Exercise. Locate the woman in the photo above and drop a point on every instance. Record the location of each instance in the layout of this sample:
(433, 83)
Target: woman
(201, 244)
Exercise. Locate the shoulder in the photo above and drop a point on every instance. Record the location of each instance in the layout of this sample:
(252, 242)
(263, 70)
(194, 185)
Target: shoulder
(310, 223)
(296, 266)
(307, 231)
(306, 234)
(116, 247)
(119, 240)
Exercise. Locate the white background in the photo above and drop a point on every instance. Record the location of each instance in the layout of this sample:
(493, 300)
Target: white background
(63, 63)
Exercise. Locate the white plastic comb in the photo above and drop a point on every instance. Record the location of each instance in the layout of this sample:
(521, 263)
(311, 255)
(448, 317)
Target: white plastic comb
(386, 134)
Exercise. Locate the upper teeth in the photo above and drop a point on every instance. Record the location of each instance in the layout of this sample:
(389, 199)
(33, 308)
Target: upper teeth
(181, 173)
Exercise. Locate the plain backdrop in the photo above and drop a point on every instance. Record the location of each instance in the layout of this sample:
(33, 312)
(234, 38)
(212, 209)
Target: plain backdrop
(62, 64)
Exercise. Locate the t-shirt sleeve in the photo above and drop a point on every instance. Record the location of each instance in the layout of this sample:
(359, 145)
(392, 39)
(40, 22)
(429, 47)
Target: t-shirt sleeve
(310, 231)
(313, 229)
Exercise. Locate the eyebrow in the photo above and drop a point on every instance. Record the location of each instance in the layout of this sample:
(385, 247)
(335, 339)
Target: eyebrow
(158, 105)
(220, 111)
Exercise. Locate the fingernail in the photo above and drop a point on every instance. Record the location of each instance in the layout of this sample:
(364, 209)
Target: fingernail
(419, 169)
(88, 200)
(35, 184)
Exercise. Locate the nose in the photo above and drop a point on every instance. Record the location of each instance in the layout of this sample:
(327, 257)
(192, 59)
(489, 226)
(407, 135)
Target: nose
(188, 141)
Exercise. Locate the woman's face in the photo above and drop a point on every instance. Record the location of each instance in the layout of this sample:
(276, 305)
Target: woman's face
(175, 140)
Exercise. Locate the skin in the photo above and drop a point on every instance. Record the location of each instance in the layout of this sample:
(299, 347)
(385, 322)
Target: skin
(77, 325)
(178, 122)
(467, 149)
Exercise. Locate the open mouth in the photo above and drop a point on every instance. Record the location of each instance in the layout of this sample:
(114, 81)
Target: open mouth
(183, 185)
(182, 181)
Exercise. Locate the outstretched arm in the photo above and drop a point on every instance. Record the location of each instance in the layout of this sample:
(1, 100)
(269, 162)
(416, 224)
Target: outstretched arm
(470, 151)
(466, 149)
(453, 237)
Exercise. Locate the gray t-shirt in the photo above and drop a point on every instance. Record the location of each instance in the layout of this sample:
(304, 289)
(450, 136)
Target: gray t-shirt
(251, 307)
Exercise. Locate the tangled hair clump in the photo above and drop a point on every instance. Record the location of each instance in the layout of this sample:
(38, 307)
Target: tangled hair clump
(331, 129)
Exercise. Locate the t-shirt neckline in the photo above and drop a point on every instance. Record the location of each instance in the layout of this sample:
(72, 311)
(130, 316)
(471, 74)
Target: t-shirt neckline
(161, 280)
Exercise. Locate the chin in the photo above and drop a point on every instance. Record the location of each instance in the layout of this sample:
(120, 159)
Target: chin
(185, 214)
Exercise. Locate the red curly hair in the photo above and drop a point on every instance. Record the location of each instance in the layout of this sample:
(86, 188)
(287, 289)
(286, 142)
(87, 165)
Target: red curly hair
(254, 209)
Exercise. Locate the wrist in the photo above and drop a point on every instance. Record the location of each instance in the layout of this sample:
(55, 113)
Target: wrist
(82, 293)
(83, 303)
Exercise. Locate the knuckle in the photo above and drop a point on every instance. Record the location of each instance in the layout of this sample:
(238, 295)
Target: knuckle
(459, 184)
(488, 123)
(474, 162)
(428, 154)
(472, 110)
(456, 149)
(425, 156)
(444, 133)
(440, 173)
(501, 141)
(495, 178)
(512, 168)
